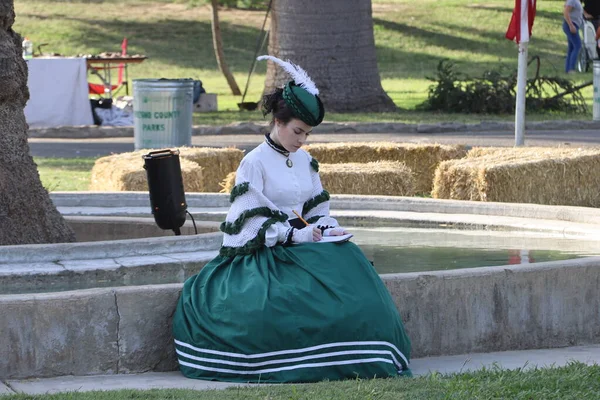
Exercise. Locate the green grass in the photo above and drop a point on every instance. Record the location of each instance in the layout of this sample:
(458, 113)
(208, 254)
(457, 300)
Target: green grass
(410, 38)
(575, 381)
(65, 174)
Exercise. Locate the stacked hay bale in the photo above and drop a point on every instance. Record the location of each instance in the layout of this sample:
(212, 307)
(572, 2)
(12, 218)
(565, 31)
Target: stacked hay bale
(540, 175)
(422, 159)
(216, 163)
(387, 178)
(202, 169)
(125, 172)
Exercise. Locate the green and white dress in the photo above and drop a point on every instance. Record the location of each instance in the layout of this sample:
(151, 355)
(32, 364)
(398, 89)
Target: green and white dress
(263, 311)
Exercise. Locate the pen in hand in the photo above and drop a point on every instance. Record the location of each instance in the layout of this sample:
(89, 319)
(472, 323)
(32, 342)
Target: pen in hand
(300, 217)
(317, 235)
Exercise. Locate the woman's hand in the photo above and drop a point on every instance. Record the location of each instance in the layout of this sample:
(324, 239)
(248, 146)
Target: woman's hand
(306, 235)
(572, 28)
(335, 232)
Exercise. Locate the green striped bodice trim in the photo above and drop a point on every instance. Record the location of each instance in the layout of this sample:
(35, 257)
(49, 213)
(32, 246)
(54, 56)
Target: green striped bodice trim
(252, 245)
(314, 164)
(235, 227)
(239, 190)
(315, 201)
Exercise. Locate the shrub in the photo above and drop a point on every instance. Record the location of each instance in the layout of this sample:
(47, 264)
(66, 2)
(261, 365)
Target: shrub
(495, 92)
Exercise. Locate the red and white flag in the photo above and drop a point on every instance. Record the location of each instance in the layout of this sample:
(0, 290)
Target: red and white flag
(521, 22)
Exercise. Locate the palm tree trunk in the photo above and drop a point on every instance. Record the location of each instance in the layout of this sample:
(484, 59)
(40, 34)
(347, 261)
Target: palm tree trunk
(27, 214)
(218, 46)
(333, 41)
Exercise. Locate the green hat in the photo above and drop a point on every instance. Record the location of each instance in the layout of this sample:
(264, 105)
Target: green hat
(300, 94)
(304, 105)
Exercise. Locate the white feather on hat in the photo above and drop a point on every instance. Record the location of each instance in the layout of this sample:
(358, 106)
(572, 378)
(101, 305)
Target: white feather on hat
(298, 74)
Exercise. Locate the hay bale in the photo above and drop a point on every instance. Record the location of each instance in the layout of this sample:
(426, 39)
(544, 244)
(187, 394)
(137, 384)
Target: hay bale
(228, 183)
(125, 172)
(539, 175)
(422, 159)
(383, 178)
(216, 163)
(482, 151)
(390, 178)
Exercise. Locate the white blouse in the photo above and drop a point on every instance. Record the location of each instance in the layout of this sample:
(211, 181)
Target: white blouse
(287, 187)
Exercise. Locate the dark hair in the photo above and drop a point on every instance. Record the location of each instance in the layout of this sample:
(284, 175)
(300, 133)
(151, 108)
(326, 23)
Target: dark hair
(274, 104)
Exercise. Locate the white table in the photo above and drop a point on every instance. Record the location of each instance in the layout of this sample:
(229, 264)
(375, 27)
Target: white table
(58, 93)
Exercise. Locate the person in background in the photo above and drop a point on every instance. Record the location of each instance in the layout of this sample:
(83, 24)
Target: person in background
(573, 20)
(591, 11)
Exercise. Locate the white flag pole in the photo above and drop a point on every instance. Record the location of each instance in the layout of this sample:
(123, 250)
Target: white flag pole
(521, 86)
(522, 75)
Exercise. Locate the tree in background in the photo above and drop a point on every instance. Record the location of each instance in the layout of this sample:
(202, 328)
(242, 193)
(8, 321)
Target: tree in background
(333, 41)
(218, 47)
(27, 214)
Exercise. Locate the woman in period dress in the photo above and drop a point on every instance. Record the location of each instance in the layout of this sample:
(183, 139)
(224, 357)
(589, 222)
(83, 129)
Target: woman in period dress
(274, 306)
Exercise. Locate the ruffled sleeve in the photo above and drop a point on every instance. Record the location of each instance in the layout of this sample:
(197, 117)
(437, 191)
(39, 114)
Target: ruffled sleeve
(252, 220)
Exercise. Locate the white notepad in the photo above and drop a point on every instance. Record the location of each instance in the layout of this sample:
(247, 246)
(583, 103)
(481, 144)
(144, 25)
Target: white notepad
(334, 239)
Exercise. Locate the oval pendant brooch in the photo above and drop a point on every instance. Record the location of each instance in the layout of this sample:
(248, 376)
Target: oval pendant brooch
(289, 163)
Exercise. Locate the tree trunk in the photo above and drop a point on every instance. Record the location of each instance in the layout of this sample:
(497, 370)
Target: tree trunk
(27, 214)
(333, 41)
(218, 46)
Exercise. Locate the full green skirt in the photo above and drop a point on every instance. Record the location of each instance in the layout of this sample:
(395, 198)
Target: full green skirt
(302, 313)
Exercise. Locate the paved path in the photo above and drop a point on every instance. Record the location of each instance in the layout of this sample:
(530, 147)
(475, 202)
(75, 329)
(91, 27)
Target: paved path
(446, 364)
(100, 147)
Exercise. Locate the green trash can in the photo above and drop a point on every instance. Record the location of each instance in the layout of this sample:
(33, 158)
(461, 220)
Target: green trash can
(162, 113)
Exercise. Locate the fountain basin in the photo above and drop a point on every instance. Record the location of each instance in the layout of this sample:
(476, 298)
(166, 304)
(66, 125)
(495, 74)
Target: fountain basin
(127, 329)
